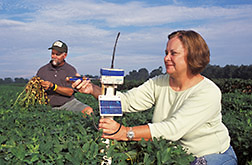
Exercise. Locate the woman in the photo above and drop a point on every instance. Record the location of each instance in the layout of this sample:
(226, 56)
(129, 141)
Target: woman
(187, 105)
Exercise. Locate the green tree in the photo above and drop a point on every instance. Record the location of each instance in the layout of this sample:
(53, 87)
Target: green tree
(21, 80)
(140, 75)
(213, 71)
(156, 72)
(229, 71)
(244, 72)
(143, 74)
(8, 80)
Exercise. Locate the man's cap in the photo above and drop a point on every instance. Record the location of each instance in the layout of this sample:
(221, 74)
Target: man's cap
(59, 46)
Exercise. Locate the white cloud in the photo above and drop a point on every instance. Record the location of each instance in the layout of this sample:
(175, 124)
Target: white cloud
(134, 13)
(6, 23)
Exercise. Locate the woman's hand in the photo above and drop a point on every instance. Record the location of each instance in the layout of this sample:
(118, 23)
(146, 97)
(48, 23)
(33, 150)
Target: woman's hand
(110, 126)
(83, 86)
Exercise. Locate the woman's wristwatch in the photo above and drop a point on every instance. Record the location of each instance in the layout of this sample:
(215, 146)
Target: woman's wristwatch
(130, 134)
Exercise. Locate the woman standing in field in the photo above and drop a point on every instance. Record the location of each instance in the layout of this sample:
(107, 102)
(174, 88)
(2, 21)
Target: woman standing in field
(187, 105)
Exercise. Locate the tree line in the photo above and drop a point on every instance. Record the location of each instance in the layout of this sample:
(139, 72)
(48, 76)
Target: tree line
(228, 71)
(9, 80)
(211, 71)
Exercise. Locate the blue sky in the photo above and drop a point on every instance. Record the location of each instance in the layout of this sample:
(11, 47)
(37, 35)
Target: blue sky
(90, 27)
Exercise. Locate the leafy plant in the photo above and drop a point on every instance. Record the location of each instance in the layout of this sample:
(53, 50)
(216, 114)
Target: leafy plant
(234, 85)
(237, 116)
(32, 94)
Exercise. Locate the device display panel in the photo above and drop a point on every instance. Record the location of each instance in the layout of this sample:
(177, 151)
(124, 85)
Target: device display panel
(110, 105)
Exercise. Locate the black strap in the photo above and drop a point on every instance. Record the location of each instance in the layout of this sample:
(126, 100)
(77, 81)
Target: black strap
(109, 134)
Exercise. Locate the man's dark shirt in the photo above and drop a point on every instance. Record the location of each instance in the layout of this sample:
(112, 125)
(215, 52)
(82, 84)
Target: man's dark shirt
(58, 76)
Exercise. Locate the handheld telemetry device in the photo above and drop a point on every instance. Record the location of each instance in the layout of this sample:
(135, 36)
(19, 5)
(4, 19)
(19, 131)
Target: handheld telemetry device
(109, 103)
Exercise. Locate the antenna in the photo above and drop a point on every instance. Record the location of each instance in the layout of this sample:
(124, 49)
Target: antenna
(112, 63)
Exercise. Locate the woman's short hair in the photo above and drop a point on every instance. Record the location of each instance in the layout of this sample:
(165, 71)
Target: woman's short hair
(198, 54)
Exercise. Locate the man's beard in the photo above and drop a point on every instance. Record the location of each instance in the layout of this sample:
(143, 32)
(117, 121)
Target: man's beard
(55, 62)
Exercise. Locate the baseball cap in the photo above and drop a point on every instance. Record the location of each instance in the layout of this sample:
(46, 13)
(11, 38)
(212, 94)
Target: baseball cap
(59, 46)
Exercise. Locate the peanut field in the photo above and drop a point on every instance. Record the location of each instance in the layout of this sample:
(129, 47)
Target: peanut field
(33, 133)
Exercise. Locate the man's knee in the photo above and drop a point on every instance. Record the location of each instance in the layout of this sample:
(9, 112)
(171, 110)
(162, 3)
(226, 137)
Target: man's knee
(88, 110)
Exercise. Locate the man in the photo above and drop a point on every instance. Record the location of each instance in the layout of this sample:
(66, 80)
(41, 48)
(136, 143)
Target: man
(54, 74)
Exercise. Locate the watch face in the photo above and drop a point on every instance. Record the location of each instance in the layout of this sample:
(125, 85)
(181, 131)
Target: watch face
(130, 134)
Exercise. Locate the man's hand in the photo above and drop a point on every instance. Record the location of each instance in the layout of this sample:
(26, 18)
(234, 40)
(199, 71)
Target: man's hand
(46, 84)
